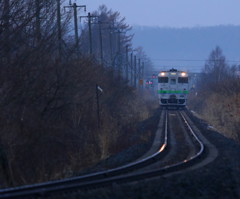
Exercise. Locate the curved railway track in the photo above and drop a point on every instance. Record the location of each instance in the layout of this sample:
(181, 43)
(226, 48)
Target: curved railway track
(159, 160)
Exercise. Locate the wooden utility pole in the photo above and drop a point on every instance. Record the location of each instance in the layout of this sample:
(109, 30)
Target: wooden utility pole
(6, 33)
(110, 43)
(100, 23)
(126, 63)
(143, 70)
(38, 22)
(59, 29)
(75, 24)
(119, 63)
(75, 6)
(142, 74)
(131, 68)
(90, 33)
(89, 16)
(101, 43)
(119, 54)
(135, 71)
(119, 41)
(139, 71)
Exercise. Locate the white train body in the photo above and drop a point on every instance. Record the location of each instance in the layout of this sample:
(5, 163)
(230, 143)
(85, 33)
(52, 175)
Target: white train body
(173, 88)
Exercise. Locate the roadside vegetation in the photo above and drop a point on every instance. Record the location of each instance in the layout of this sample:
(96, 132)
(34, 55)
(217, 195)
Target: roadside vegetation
(48, 121)
(217, 96)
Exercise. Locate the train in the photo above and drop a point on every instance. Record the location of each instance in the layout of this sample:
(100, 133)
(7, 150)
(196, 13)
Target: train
(173, 88)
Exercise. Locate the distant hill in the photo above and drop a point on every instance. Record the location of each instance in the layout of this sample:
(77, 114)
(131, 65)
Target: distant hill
(187, 47)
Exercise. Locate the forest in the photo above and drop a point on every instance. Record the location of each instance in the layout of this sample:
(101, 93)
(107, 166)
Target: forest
(67, 96)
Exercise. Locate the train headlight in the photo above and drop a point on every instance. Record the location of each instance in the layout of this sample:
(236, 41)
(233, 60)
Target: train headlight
(162, 74)
(183, 74)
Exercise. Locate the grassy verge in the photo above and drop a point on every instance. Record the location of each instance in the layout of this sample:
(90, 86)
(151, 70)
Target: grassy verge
(219, 110)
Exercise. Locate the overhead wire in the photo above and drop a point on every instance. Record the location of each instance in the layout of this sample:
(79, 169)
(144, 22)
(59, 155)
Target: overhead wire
(192, 60)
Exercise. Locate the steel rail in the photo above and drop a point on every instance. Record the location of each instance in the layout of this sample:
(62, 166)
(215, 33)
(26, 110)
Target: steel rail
(40, 188)
(202, 147)
(153, 173)
(106, 178)
(147, 174)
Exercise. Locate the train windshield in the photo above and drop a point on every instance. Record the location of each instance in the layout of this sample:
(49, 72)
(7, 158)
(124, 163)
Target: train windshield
(162, 79)
(173, 81)
(183, 80)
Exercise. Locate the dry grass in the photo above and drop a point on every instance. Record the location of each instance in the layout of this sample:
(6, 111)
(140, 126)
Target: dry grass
(221, 110)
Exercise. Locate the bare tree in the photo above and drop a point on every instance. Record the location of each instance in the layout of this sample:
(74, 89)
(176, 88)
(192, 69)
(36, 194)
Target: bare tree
(216, 67)
(48, 108)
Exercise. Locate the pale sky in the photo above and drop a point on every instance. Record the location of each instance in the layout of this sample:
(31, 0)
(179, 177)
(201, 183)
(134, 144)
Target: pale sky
(172, 13)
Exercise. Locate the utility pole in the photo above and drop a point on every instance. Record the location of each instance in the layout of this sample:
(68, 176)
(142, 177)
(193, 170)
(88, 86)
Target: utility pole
(110, 43)
(139, 68)
(90, 33)
(116, 42)
(119, 41)
(38, 23)
(59, 29)
(119, 63)
(89, 16)
(119, 54)
(143, 65)
(100, 40)
(131, 66)
(75, 6)
(75, 24)
(6, 40)
(139, 71)
(100, 23)
(127, 63)
(135, 71)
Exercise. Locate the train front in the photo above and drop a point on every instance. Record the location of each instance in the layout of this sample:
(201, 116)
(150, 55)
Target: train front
(173, 88)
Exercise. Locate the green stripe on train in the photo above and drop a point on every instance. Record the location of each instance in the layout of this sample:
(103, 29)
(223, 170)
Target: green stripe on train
(171, 92)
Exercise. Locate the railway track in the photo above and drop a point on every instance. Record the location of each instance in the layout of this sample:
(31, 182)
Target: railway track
(176, 148)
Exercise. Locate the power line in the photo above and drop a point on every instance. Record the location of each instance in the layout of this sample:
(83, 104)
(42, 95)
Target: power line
(192, 60)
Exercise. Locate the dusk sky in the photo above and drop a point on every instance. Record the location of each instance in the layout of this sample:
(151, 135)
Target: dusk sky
(172, 13)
